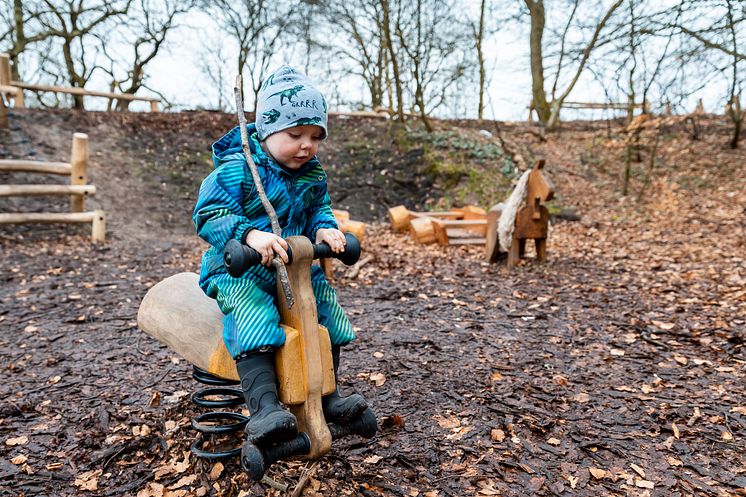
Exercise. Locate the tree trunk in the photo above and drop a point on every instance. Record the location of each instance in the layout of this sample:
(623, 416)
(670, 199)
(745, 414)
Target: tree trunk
(539, 98)
(480, 58)
(392, 54)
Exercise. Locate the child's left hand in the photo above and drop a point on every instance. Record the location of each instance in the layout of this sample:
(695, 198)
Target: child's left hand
(333, 237)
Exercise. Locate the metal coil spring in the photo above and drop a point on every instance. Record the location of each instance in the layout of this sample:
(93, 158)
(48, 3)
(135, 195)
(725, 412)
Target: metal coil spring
(206, 424)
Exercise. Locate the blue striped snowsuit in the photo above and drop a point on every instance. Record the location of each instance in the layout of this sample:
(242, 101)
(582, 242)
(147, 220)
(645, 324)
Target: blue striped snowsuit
(228, 206)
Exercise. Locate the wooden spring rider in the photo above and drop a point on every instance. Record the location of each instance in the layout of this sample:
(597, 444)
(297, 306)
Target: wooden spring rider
(531, 221)
(180, 315)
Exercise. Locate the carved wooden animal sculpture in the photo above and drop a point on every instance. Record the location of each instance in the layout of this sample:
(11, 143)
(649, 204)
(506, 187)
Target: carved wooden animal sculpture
(179, 314)
(531, 222)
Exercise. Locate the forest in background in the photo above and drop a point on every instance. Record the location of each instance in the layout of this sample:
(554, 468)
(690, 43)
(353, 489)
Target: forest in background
(422, 57)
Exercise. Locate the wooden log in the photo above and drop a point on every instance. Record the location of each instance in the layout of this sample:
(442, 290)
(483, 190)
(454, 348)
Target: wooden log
(471, 212)
(37, 190)
(422, 230)
(82, 92)
(47, 217)
(96, 218)
(357, 228)
(78, 168)
(399, 217)
(441, 234)
(340, 215)
(478, 226)
(61, 168)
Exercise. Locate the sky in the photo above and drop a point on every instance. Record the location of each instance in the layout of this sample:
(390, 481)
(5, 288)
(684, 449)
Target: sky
(176, 73)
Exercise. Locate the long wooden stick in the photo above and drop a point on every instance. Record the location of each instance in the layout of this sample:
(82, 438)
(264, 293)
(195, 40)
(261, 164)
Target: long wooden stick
(276, 260)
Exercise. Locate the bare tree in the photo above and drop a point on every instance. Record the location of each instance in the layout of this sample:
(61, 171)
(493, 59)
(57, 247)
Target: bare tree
(257, 27)
(548, 111)
(149, 24)
(359, 40)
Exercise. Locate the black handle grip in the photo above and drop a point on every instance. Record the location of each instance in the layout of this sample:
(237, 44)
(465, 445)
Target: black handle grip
(256, 460)
(238, 258)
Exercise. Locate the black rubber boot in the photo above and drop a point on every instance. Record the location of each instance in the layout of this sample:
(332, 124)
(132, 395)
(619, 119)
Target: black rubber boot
(269, 421)
(338, 409)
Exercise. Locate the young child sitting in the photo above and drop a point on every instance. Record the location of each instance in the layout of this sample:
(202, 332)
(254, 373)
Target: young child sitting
(291, 122)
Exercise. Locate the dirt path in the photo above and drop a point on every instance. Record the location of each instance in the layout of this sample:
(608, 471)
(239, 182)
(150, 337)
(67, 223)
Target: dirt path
(616, 369)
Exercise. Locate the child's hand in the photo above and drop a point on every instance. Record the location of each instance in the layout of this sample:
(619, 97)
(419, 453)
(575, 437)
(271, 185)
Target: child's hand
(333, 237)
(267, 244)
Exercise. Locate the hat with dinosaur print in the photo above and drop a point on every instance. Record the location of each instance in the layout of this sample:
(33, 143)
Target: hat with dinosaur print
(287, 99)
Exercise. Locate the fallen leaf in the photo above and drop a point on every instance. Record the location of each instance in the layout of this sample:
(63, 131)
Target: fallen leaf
(497, 435)
(674, 462)
(645, 484)
(372, 459)
(19, 459)
(216, 470)
(22, 440)
(554, 441)
(597, 473)
(573, 481)
(675, 429)
(378, 379)
(560, 380)
(617, 352)
(664, 326)
(185, 480)
(54, 466)
(582, 397)
(726, 435)
(88, 480)
(681, 359)
(638, 470)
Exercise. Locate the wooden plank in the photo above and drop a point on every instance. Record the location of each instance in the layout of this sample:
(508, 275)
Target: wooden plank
(46, 217)
(467, 241)
(61, 168)
(29, 190)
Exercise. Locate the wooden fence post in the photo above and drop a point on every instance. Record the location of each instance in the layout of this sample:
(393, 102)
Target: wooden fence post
(79, 164)
(98, 228)
(5, 69)
(153, 106)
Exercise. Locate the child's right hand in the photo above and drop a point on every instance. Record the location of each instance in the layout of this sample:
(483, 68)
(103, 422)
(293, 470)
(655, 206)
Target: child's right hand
(267, 244)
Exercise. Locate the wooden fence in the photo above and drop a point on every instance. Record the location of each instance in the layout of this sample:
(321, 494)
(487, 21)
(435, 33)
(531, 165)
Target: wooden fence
(15, 89)
(77, 190)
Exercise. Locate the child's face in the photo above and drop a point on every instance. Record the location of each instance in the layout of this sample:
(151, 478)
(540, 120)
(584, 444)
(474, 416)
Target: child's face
(293, 147)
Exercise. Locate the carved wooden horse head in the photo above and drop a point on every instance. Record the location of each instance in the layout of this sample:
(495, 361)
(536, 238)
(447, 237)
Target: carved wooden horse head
(540, 188)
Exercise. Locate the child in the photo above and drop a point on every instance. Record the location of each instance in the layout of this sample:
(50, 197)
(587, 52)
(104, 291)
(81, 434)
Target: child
(291, 121)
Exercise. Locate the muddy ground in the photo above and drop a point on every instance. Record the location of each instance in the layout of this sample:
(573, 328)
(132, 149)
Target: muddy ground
(615, 369)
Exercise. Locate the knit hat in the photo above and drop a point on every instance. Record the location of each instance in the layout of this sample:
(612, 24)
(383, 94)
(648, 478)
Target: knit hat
(287, 99)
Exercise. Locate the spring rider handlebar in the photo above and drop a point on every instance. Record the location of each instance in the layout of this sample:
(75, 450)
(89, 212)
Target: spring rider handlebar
(304, 363)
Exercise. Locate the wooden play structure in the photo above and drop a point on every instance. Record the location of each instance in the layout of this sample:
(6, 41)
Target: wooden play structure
(77, 190)
(180, 315)
(474, 226)
(15, 90)
(531, 222)
(459, 226)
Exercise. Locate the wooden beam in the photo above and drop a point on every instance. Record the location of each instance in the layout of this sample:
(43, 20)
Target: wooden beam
(82, 91)
(47, 217)
(37, 190)
(61, 168)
